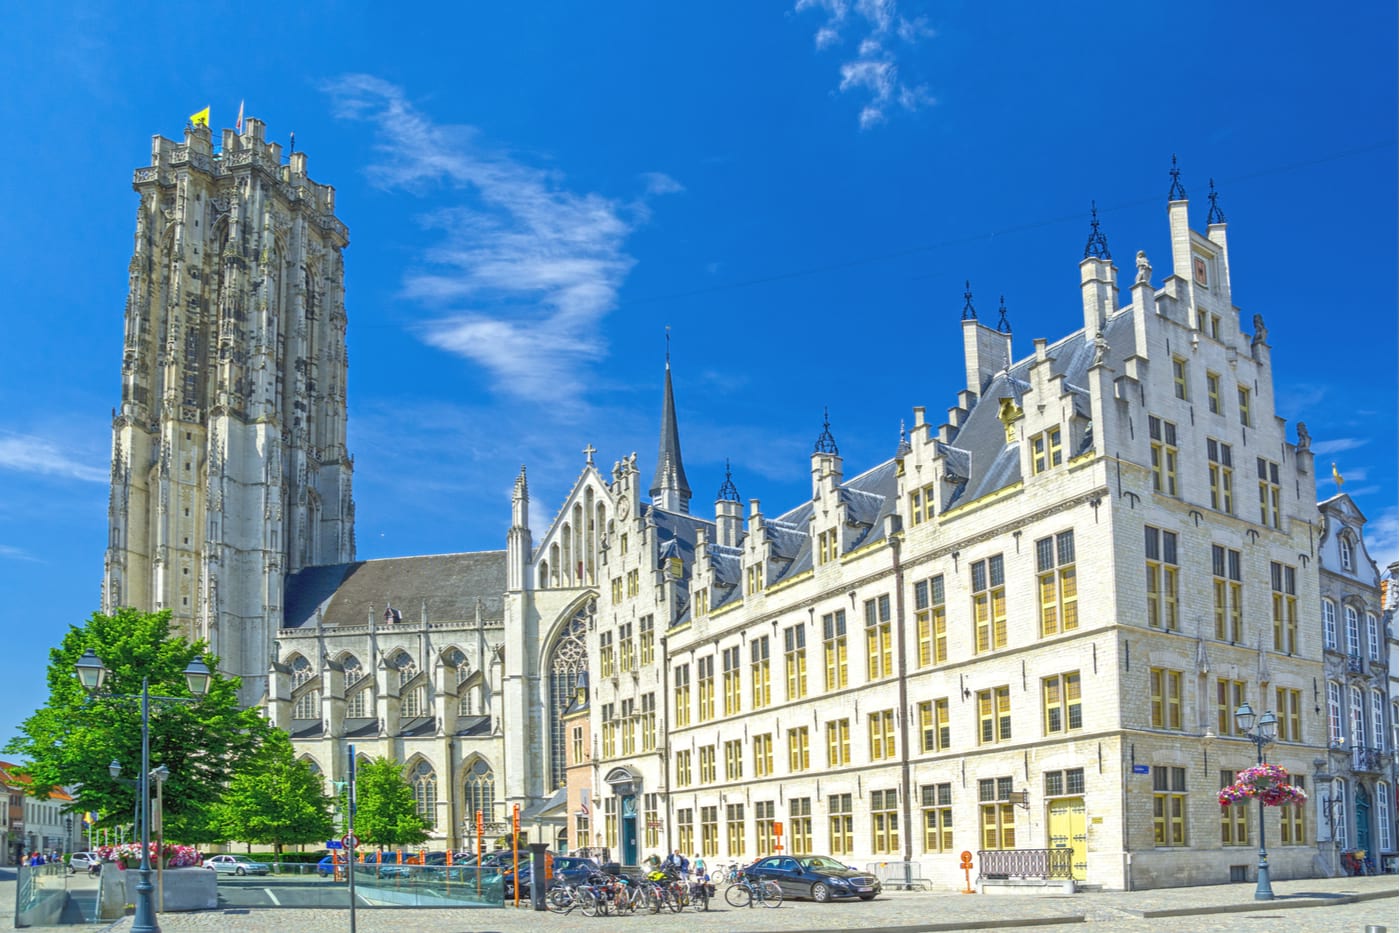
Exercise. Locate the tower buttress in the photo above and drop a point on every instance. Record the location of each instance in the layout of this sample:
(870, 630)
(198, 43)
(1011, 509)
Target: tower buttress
(229, 465)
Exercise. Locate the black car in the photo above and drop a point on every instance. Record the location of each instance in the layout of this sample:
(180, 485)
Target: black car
(819, 877)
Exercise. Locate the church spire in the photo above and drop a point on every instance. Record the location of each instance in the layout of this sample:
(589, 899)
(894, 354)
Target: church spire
(669, 490)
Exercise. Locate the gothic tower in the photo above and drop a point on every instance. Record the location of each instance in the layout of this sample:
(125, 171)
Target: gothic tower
(229, 466)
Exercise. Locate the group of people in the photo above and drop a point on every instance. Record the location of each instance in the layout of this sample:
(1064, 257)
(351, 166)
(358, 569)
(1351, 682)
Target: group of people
(683, 866)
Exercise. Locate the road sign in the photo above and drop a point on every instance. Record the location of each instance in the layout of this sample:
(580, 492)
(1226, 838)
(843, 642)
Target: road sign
(349, 840)
(334, 844)
(1142, 769)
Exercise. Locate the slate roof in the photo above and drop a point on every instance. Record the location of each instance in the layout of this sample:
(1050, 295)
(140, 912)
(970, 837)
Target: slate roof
(451, 584)
(980, 452)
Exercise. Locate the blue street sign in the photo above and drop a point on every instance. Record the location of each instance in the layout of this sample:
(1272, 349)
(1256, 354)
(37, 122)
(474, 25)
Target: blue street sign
(334, 844)
(1142, 769)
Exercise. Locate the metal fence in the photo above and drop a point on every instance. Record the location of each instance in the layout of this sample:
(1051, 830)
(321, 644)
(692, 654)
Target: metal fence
(906, 875)
(1025, 863)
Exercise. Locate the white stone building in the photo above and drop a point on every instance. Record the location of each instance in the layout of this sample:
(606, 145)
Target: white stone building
(1356, 790)
(1029, 629)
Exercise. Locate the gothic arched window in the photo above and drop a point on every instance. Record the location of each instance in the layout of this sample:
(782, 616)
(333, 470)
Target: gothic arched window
(424, 782)
(407, 667)
(354, 671)
(301, 671)
(567, 658)
(479, 792)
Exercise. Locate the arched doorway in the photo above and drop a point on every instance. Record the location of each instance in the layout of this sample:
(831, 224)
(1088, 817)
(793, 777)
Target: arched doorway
(626, 786)
(1363, 820)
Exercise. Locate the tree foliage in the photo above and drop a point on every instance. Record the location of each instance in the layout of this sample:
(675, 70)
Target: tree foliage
(385, 811)
(73, 737)
(276, 800)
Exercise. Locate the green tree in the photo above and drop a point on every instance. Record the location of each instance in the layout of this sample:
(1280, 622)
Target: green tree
(385, 811)
(276, 800)
(72, 738)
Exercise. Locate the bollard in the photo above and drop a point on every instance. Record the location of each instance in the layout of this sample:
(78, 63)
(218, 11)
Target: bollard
(1374, 928)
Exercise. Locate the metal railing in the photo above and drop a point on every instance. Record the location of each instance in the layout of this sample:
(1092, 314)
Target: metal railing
(1025, 863)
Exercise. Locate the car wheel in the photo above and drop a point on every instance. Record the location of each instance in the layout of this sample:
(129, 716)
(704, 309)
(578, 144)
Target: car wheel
(240, 870)
(821, 893)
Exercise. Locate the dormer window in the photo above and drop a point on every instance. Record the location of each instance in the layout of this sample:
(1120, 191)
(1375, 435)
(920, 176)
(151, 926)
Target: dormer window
(1344, 543)
(755, 579)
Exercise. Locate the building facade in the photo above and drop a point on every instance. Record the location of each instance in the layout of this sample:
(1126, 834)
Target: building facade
(1030, 628)
(1356, 778)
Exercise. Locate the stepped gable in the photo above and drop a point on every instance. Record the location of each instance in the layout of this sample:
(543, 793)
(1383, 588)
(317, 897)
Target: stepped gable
(980, 448)
(451, 584)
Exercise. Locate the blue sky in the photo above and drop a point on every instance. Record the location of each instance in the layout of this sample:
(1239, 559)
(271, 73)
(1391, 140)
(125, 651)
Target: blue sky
(799, 190)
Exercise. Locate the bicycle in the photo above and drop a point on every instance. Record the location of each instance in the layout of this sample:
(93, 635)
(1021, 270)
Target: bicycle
(728, 874)
(746, 891)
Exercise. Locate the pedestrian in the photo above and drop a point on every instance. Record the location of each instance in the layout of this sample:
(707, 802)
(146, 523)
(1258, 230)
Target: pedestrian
(698, 867)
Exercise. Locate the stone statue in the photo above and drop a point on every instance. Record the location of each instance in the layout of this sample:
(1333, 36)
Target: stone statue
(1100, 347)
(1261, 333)
(1304, 438)
(1144, 273)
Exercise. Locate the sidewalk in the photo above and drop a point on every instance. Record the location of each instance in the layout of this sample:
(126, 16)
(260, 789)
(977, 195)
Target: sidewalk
(1214, 906)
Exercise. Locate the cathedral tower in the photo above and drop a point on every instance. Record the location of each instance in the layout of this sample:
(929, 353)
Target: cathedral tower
(229, 466)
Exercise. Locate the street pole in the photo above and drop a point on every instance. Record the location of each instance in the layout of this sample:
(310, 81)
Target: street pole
(350, 832)
(145, 920)
(1263, 890)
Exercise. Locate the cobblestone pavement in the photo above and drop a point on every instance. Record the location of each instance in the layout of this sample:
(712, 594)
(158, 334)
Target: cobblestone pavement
(1337, 905)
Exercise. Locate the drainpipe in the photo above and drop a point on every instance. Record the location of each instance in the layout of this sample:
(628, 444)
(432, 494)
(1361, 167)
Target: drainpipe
(900, 652)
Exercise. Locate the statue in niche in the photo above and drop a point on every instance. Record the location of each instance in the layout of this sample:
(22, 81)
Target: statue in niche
(1304, 438)
(1144, 269)
(1261, 333)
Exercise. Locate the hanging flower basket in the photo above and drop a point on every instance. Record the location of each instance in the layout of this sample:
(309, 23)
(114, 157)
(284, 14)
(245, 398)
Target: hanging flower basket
(1267, 783)
(128, 855)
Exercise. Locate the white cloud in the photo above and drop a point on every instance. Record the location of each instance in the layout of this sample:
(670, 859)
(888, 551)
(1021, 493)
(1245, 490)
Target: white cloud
(1383, 537)
(525, 268)
(873, 71)
(1337, 445)
(661, 183)
(9, 552)
(32, 454)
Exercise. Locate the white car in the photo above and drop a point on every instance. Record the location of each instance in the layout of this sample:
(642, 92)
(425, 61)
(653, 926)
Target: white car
(82, 861)
(237, 864)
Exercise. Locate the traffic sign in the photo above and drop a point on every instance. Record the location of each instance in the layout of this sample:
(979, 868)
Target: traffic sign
(349, 840)
(334, 844)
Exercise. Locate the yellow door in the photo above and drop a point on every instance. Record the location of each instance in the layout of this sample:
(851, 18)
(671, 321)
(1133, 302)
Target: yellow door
(1066, 831)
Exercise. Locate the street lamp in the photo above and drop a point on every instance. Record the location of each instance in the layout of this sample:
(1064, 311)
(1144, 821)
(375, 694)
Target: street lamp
(1263, 735)
(91, 673)
(67, 834)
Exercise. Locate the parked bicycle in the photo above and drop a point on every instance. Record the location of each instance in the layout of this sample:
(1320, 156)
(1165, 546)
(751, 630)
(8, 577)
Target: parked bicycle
(748, 891)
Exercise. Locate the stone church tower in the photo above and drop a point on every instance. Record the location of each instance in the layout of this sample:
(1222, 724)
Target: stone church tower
(229, 466)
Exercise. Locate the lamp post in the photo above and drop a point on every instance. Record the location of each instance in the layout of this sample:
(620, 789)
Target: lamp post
(1263, 735)
(91, 673)
(67, 834)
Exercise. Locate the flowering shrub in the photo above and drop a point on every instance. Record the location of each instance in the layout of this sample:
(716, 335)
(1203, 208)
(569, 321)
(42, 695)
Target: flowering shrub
(129, 854)
(1268, 783)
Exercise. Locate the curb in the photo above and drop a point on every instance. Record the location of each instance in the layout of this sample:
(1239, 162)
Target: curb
(1287, 902)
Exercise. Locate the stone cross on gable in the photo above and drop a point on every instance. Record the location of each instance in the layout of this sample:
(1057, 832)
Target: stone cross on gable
(588, 452)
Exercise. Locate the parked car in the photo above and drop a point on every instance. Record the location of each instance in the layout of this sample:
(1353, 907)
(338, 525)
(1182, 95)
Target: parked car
(237, 864)
(329, 864)
(82, 861)
(568, 869)
(819, 877)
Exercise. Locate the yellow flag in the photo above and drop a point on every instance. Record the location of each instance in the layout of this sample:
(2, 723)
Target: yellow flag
(201, 118)
(1336, 477)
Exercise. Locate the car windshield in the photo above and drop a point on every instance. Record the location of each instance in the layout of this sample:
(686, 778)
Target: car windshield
(821, 862)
